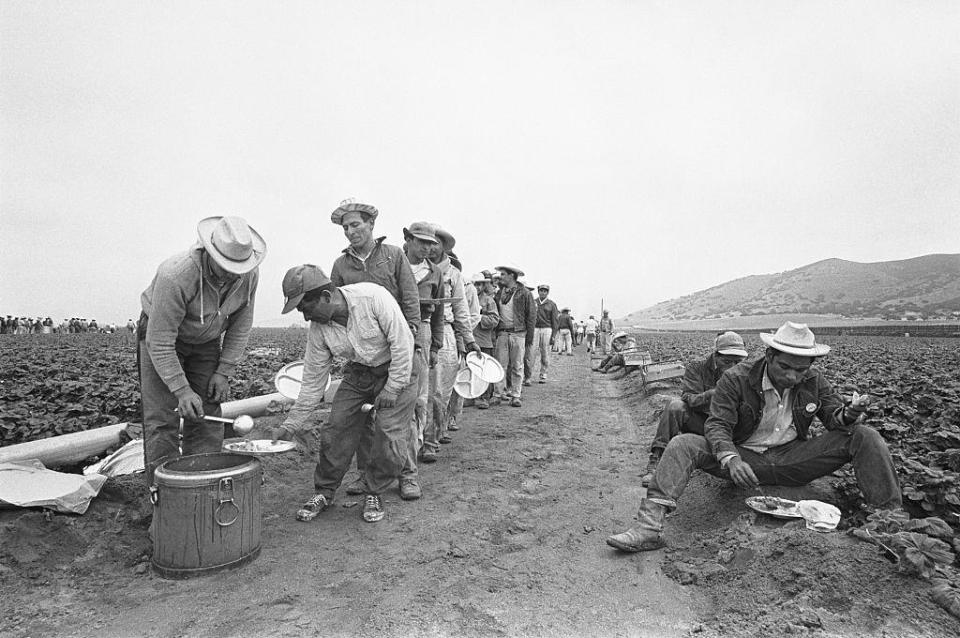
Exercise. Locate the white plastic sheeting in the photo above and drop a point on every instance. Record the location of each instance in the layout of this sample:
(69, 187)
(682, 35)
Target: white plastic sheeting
(30, 484)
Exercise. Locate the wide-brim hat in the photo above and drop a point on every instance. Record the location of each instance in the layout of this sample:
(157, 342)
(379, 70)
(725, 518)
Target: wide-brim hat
(511, 268)
(479, 277)
(795, 338)
(447, 241)
(232, 243)
(618, 335)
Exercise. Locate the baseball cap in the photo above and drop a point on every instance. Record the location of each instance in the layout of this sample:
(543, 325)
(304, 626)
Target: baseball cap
(298, 281)
(730, 343)
(422, 230)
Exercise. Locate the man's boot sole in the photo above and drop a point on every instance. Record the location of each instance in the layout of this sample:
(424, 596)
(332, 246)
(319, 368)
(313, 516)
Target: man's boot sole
(648, 546)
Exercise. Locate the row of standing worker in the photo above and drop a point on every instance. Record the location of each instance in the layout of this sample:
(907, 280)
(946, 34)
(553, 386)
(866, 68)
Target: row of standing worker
(402, 319)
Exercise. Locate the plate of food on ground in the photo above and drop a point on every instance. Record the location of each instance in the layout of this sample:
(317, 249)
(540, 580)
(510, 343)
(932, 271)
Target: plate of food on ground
(774, 506)
(259, 446)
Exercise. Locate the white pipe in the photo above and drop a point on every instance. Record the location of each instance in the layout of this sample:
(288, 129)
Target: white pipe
(72, 448)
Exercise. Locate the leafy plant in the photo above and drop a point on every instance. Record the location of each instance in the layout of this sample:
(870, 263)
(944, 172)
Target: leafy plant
(920, 553)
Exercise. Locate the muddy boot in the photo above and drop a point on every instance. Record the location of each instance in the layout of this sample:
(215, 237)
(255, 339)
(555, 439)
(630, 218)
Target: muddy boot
(647, 535)
(651, 467)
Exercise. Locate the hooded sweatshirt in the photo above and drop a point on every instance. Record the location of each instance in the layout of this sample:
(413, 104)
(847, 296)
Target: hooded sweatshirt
(183, 303)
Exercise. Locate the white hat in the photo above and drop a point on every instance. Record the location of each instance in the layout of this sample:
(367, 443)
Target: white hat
(794, 338)
(730, 343)
(618, 335)
(232, 243)
(511, 268)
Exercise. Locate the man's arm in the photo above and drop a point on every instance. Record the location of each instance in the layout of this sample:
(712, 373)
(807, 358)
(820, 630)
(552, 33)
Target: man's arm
(336, 274)
(489, 315)
(531, 319)
(436, 317)
(831, 406)
(724, 414)
(317, 362)
(461, 315)
(409, 293)
(168, 308)
(693, 390)
(393, 323)
(238, 333)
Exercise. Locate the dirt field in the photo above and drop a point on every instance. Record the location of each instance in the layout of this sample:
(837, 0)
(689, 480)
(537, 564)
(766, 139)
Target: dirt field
(507, 541)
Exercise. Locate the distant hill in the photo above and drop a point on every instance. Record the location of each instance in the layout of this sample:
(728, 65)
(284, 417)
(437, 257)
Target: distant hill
(925, 287)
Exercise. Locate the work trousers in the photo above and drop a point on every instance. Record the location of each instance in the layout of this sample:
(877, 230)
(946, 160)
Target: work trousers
(541, 346)
(591, 341)
(794, 463)
(489, 391)
(421, 367)
(676, 418)
(161, 425)
(442, 378)
(606, 341)
(382, 435)
(510, 351)
(566, 341)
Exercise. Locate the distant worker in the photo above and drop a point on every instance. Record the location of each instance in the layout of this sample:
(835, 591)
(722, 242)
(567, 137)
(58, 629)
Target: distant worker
(591, 327)
(606, 331)
(619, 344)
(362, 324)
(485, 332)
(197, 299)
(566, 332)
(690, 411)
(758, 433)
(545, 331)
(514, 332)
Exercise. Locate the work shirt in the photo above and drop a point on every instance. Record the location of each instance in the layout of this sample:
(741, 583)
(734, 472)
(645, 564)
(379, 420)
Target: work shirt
(489, 319)
(566, 322)
(376, 333)
(606, 324)
(456, 313)
(183, 302)
(591, 325)
(429, 287)
(776, 423)
(385, 265)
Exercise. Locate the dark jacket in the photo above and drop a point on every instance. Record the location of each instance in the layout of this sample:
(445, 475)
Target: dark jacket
(699, 378)
(387, 266)
(489, 319)
(431, 288)
(524, 312)
(547, 314)
(737, 406)
(566, 322)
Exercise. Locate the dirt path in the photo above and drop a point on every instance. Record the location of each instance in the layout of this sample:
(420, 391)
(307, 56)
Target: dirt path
(508, 540)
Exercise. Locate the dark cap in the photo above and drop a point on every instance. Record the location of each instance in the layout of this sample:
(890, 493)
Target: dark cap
(298, 281)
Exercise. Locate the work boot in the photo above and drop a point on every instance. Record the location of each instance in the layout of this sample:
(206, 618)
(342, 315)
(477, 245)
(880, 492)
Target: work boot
(483, 404)
(410, 489)
(647, 535)
(372, 508)
(651, 467)
(358, 487)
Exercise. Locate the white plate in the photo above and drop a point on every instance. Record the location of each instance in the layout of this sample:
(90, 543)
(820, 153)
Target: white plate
(485, 367)
(468, 384)
(259, 446)
(289, 379)
(782, 508)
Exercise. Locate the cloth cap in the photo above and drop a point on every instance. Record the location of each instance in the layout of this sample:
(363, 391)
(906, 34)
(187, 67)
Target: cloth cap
(421, 230)
(232, 243)
(730, 343)
(795, 338)
(544, 287)
(298, 281)
(351, 206)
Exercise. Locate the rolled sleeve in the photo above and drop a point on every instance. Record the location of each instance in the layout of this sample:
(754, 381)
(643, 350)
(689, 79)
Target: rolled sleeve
(317, 362)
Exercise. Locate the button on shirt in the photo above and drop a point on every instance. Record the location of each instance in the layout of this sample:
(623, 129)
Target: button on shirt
(376, 332)
(776, 424)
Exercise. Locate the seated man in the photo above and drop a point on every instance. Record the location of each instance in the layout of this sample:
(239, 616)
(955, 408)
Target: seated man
(690, 411)
(758, 434)
(614, 361)
(373, 407)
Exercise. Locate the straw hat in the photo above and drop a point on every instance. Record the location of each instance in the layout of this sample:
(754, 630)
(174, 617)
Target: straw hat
(794, 338)
(234, 245)
(511, 268)
(352, 206)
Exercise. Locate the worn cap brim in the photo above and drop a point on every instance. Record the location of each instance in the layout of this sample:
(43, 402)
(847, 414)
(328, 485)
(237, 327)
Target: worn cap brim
(292, 302)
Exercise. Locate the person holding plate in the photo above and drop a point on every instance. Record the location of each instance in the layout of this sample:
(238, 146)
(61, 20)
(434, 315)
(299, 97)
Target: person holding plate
(758, 433)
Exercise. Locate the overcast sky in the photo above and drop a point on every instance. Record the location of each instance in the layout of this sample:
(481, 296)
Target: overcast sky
(630, 151)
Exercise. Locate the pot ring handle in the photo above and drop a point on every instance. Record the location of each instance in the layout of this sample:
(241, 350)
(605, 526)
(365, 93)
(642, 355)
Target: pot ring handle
(224, 499)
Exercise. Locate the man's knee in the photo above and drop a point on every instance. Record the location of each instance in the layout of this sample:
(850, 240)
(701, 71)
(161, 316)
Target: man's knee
(688, 444)
(865, 437)
(676, 408)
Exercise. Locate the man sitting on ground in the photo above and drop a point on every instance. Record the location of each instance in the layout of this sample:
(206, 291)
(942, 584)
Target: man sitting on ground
(758, 434)
(690, 411)
(620, 343)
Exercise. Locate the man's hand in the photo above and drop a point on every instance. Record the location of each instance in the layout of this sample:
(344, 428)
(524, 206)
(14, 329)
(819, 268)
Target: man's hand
(280, 433)
(386, 399)
(218, 389)
(742, 474)
(190, 406)
(473, 347)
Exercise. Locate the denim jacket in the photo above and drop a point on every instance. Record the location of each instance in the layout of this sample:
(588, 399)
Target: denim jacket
(737, 406)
